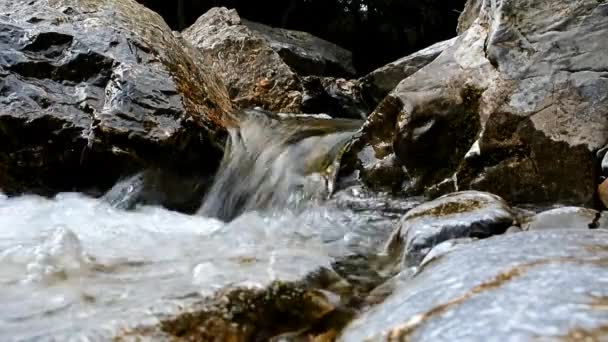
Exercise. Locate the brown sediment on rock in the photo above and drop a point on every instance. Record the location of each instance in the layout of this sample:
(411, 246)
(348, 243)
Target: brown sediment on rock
(404, 331)
(596, 334)
(449, 208)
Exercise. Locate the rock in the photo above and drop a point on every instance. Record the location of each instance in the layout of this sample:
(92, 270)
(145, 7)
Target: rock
(515, 109)
(85, 85)
(543, 285)
(468, 214)
(254, 73)
(469, 15)
(306, 54)
(565, 218)
(337, 97)
(602, 191)
(378, 83)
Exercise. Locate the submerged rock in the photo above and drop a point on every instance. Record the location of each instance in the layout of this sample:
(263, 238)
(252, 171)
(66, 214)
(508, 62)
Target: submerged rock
(547, 285)
(469, 214)
(92, 90)
(487, 116)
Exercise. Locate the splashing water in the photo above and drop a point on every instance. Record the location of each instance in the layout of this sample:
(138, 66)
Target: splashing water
(74, 266)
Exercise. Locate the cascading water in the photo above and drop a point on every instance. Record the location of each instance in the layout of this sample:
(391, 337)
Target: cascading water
(75, 266)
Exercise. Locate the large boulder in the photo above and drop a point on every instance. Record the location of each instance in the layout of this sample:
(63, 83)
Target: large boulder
(253, 72)
(378, 83)
(544, 285)
(305, 53)
(516, 107)
(459, 215)
(91, 89)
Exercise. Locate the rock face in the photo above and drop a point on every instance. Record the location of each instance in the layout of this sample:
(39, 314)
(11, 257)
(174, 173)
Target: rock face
(548, 285)
(90, 89)
(305, 53)
(516, 107)
(336, 97)
(458, 215)
(262, 66)
(378, 83)
(253, 72)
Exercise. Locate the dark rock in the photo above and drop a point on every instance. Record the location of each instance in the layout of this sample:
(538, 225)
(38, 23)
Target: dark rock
(306, 54)
(91, 90)
(566, 218)
(378, 83)
(544, 285)
(336, 97)
(493, 118)
(468, 214)
(254, 73)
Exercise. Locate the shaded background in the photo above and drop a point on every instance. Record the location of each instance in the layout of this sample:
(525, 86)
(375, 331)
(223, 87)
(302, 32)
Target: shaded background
(376, 31)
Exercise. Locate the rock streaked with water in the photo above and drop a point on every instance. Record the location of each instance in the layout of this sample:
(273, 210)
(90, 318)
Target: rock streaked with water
(546, 285)
(457, 215)
(88, 84)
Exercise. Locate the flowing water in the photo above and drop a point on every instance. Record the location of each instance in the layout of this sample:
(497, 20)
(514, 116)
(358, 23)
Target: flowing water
(73, 266)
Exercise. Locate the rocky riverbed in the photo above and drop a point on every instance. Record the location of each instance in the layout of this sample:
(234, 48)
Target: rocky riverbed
(238, 182)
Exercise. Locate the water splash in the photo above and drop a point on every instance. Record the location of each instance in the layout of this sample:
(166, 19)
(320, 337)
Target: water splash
(277, 164)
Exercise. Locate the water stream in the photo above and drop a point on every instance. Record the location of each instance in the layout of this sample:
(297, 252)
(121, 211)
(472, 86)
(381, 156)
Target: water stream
(73, 266)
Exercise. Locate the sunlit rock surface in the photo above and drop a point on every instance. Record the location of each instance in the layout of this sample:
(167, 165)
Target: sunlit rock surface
(87, 84)
(567, 218)
(546, 286)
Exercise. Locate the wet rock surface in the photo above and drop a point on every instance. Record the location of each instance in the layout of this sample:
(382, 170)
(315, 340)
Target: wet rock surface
(553, 287)
(492, 117)
(566, 218)
(91, 90)
(468, 214)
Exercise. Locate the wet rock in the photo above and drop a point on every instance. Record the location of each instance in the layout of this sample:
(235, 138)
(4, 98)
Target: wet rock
(468, 214)
(92, 90)
(305, 53)
(532, 285)
(254, 73)
(378, 83)
(513, 109)
(337, 97)
(566, 218)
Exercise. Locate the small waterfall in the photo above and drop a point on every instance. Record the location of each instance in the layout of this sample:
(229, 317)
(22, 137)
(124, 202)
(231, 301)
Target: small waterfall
(277, 163)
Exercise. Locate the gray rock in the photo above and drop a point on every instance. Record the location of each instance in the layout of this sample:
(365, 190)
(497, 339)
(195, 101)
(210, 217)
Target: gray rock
(90, 90)
(565, 218)
(468, 214)
(305, 53)
(254, 73)
(378, 83)
(544, 285)
(521, 106)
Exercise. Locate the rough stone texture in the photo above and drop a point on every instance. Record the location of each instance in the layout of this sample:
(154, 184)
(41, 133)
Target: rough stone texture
(469, 15)
(253, 72)
(89, 89)
(336, 97)
(378, 83)
(457, 215)
(516, 107)
(602, 191)
(305, 53)
(545, 285)
(566, 218)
